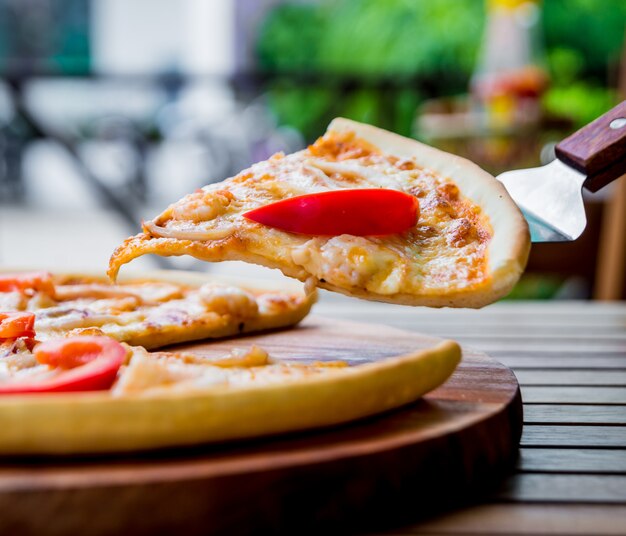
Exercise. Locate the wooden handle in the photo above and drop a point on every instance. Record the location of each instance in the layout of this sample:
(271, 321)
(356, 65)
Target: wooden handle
(599, 149)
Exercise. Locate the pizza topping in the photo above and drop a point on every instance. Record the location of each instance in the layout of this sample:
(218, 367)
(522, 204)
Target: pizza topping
(183, 217)
(13, 301)
(202, 205)
(17, 325)
(360, 212)
(351, 262)
(28, 283)
(460, 232)
(238, 357)
(277, 303)
(344, 146)
(404, 164)
(153, 292)
(105, 293)
(251, 357)
(150, 313)
(66, 318)
(449, 191)
(82, 332)
(40, 300)
(74, 352)
(164, 372)
(16, 354)
(91, 290)
(145, 372)
(189, 233)
(340, 171)
(75, 364)
(310, 285)
(114, 306)
(229, 301)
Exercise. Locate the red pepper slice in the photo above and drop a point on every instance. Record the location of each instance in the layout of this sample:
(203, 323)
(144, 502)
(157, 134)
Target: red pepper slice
(360, 212)
(16, 325)
(90, 363)
(41, 281)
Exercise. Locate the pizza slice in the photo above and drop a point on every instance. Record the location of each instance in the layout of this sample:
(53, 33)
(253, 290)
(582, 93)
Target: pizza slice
(152, 311)
(363, 212)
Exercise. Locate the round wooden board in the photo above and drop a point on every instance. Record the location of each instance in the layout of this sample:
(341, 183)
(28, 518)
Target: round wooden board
(454, 442)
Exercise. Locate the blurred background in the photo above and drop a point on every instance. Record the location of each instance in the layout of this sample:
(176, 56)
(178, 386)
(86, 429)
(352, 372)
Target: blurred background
(112, 109)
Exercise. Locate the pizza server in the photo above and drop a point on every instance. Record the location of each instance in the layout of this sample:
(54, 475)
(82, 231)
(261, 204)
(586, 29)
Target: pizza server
(551, 196)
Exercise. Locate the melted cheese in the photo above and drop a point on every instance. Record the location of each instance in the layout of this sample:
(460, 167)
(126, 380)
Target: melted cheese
(153, 374)
(145, 308)
(445, 252)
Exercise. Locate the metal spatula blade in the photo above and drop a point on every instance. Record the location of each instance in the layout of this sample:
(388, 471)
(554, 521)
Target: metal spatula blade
(551, 196)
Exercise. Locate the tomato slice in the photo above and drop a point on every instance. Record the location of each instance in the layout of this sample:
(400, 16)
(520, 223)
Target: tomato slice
(16, 325)
(360, 212)
(88, 363)
(74, 352)
(37, 281)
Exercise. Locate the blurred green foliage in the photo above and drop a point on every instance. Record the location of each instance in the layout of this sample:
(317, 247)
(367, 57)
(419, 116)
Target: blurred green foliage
(353, 47)
(592, 30)
(399, 37)
(370, 38)
(304, 108)
(289, 37)
(581, 102)
(583, 41)
(375, 60)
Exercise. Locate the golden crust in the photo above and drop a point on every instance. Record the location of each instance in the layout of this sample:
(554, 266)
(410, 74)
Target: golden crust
(95, 422)
(500, 267)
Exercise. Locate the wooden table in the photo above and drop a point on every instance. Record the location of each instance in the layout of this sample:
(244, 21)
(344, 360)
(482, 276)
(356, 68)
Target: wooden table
(570, 359)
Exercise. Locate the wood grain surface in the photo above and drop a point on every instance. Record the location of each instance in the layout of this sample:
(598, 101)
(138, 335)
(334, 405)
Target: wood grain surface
(457, 442)
(569, 478)
(559, 486)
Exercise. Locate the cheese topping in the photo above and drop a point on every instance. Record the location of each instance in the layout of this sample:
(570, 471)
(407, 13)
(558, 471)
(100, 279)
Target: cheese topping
(163, 372)
(139, 312)
(444, 252)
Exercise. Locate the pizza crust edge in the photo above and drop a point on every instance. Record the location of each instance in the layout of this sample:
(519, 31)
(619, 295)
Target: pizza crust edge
(96, 423)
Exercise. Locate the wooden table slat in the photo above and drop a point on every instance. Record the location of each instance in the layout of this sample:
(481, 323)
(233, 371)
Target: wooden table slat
(526, 310)
(567, 362)
(571, 460)
(573, 337)
(550, 333)
(510, 519)
(588, 377)
(573, 395)
(573, 436)
(525, 487)
(479, 330)
(560, 345)
(574, 414)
